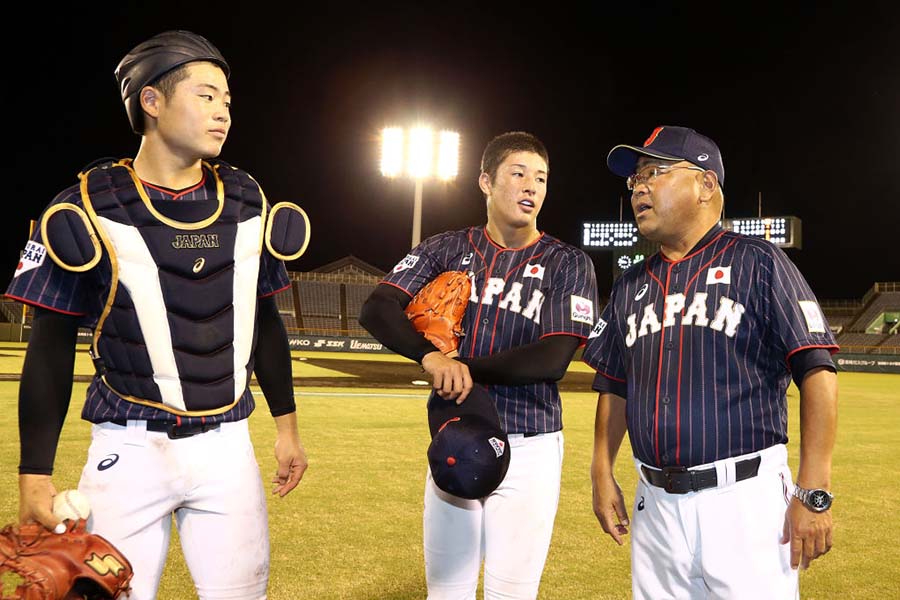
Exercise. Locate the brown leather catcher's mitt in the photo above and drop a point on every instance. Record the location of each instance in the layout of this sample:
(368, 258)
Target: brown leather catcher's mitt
(437, 310)
(42, 565)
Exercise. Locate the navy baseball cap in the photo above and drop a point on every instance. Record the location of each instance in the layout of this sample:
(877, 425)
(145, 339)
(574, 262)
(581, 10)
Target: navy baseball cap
(669, 143)
(153, 58)
(469, 451)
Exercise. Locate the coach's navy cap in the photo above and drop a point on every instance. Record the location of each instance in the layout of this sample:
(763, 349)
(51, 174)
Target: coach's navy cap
(469, 451)
(153, 58)
(669, 143)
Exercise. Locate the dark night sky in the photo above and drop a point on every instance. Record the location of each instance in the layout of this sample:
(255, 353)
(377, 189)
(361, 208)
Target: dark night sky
(804, 102)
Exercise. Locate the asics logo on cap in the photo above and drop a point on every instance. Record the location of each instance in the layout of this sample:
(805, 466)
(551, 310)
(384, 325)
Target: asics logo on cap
(703, 156)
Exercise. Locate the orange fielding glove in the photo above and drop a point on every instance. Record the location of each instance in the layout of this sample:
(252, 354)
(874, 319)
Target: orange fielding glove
(437, 310)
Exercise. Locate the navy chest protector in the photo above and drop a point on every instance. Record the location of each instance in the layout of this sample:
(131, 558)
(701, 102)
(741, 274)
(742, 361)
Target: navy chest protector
(178, 328)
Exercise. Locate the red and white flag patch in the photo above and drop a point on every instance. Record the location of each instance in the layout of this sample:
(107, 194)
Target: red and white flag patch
(534, 271)
(718, 275)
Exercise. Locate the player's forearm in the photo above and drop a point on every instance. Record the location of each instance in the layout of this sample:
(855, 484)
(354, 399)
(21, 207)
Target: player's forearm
(542, 361)
(45, 389)
(609, 431)
(272, 360)
(818, 428)
(382, 315)
(286, 425)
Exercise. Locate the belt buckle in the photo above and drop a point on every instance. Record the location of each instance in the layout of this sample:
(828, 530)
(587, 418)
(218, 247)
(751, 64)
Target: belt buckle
(667, 474)
(176, 433)
(179, 432)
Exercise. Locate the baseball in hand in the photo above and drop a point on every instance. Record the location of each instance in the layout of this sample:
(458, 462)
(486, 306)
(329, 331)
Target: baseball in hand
(71, 504)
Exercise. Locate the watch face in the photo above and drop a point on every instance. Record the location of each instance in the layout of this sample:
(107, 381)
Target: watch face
(819, 500)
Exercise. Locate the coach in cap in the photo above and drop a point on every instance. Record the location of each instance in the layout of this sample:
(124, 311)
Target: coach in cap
(694, 354)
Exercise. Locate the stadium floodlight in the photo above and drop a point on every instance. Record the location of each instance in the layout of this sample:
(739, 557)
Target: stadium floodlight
(391, 151)
(421, 149)
(448, 155)
(414, 154)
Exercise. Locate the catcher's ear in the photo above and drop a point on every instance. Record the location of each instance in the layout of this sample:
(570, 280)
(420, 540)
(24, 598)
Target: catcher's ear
(484, 182)
(150, 99)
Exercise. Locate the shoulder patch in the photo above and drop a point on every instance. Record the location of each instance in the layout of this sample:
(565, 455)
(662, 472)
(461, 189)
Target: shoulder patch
(408, 262)
(32, 257)
(582, 310)
(598, 329)
(814, 321)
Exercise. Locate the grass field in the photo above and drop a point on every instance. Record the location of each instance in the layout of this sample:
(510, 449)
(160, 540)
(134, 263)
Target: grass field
(352, 529)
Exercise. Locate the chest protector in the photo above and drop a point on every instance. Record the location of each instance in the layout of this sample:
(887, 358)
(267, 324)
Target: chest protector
(178, 328)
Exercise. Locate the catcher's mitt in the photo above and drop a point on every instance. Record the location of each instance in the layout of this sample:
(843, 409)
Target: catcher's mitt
(74, 565)
(437, 310)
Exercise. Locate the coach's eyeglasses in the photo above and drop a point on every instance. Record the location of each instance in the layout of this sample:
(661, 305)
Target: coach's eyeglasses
(651, 172)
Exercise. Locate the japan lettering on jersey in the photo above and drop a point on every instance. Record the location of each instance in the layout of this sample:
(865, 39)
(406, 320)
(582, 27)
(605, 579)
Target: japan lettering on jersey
(519, 295)
(702, 347)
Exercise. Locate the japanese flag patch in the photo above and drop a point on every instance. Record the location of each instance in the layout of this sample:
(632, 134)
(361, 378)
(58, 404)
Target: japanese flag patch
(718, 275)
(407, 263)
(532, 270)
(32, 257)
(582, 310)
(815, 323)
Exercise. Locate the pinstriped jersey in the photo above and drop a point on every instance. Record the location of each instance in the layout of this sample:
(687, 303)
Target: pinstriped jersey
(702, 345)
(519, 295)
(39, 281)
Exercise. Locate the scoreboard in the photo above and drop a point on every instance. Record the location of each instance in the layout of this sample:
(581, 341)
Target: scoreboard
(628, 246)
(784, 232)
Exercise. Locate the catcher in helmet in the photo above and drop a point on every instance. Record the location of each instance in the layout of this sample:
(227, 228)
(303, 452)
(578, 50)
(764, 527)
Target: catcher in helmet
(171, 259)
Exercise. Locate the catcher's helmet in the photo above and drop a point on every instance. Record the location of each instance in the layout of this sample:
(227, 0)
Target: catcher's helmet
(151, 59)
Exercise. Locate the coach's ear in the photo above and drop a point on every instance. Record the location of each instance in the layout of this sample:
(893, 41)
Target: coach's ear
(709, 183)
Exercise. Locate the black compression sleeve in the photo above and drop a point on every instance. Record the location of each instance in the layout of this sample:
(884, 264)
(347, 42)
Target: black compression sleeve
(383, 316)
(45, 388)
(544, 360)
(272, 360)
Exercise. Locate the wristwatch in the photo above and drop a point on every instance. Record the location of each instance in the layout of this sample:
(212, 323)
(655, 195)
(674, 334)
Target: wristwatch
(816, 500)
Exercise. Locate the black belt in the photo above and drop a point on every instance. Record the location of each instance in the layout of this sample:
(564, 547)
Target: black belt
(679, 480)
(174, 430)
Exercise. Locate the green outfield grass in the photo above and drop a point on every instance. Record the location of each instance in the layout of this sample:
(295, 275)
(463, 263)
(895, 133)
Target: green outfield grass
(352, 529)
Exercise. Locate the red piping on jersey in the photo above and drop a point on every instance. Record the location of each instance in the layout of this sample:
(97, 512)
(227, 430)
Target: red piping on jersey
(832, 348)
(687, 288)
(654, 277)
(475, 247)
(499, 247)
(405, 291)
(662, 345)
(692, 254)
(33, 303)
(608, 376)
(480, 298)
(574, 335)
(176, 195)
(276, 291)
